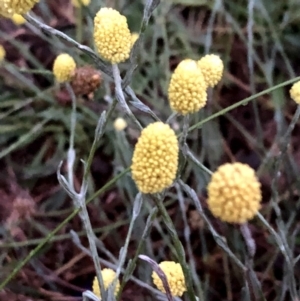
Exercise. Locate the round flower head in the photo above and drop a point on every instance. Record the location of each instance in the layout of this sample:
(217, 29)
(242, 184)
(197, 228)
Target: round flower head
(212, 68)
(112, 36)
(234, 193)
(10, 7)
(120, 124)
(18, 19)
(77, 3)
(187, 88)
(2, 53)
(155, 158)
(175, 278)
(64, 68)
(295, 92)
(108, 277)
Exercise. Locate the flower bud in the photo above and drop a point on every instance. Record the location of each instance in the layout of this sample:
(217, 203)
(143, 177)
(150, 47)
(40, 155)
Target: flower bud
(18, 19)
(295, 92)
(108, 276)
(64, 68)
(10, 7)
(155, 158)
(187, 88)
(175, 278)
(212, 69)
(2, 53)
(234, 193)
(112, 36)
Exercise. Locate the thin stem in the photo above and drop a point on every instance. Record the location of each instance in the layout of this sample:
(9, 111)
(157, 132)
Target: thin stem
(36, 241)
(187, 235)
(79, 27)
(241, 102)
(135, 213)
(192, 157)
(150, 5)
(284, 249)
(185, 129)
(172, 116)
(120, 95)
(291, 127)
(221, 241)
(178, 247)
(95, 143)
(132, 263)
(52, 31)
(91, 238)
(250, 242)
(71, 151)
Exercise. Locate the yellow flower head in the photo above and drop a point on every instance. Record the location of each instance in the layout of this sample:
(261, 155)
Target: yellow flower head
(2, 53)
(234, 193)
(175, 278)
(187, 88)
(108, 277)
(295, 92)
(120, 124)
(212, 68)
(112, 36)
(10, 7)
(77, 3)
(18, 19)
(155, 158)
(64, 68)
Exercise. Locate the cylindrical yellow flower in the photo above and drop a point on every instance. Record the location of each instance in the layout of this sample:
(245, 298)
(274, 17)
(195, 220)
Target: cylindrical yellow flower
(64, 68)
(2, 53)
(295, 92)
(175, 278)
(234, 193)
(187, 88)
(155, 158)
(120, 124)
(10, 7)
(108, 277)
(212, 69)
(77, 3)
(112, 36)
(18, 19)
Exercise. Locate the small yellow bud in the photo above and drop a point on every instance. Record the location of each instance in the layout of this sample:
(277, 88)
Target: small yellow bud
(295, 92)
(175, 278)
(18, 19)
(108, 277)
(187, 88)
(77, 3)
(234, 193)
(3, 11)
(120, 124)
(134, 37)
(2, 53)
(212, 69)
(64, 68)
(112, 36)
(10, 7)
(155, 158)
